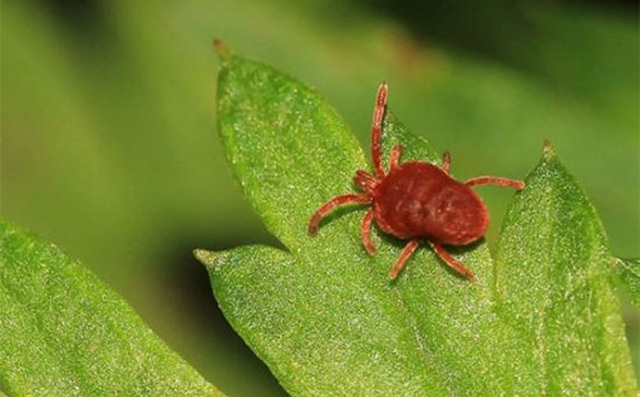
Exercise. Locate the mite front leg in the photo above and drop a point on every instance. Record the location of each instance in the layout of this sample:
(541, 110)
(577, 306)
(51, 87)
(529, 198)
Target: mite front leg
(404, 255)
(494, 180)
(366, 232)
(394, 157)
(331, 205)
(446, 162)
(454, 264)
(376, 127)
(365, 180)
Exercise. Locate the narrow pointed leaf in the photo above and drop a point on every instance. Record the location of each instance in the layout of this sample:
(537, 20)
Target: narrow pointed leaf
(554, 285)
(63, 332)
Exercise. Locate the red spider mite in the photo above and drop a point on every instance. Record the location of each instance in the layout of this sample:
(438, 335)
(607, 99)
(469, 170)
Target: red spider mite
(417, 201)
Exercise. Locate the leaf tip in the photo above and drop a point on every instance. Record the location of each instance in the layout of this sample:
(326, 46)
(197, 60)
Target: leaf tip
(207, 258)
(224, 52)
(548, 152)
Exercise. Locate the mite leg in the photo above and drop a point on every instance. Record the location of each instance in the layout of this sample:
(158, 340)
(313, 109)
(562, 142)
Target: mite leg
(331, 205)
(365, 180)
(378, 116)
(494, 180)
(446, 162)
(366, 232)
(394, 157)
(455, 265)
(404, 255)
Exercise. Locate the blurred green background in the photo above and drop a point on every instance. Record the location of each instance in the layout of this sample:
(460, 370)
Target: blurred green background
(110, 149)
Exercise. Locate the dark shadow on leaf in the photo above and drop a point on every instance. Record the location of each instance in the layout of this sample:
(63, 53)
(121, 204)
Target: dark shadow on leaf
(186, 279)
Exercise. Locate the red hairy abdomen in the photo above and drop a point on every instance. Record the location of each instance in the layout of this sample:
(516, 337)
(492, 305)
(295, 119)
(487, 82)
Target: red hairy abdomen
(418, 199)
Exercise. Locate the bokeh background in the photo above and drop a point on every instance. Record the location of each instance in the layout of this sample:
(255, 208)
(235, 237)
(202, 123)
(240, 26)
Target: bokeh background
(110, 149)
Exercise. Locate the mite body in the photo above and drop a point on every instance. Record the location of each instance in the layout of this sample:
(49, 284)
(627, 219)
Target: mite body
(417, 201)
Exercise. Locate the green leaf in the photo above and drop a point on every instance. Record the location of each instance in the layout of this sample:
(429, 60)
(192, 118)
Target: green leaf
(63, 332)
(554, 284)
(629, 276)
(272, 126)
(324, 315)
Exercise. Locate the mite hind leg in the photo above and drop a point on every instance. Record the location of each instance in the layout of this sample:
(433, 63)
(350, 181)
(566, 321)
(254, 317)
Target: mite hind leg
(454, 264)
(330, 205)
(406, 253)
